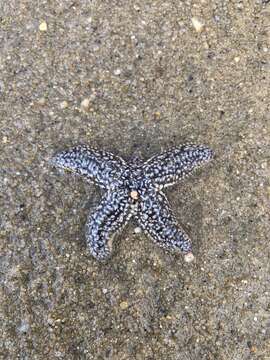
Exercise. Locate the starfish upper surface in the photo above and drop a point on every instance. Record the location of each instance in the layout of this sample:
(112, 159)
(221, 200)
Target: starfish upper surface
(134, 189)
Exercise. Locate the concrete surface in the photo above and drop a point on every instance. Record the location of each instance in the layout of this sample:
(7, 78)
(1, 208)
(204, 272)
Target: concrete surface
(152, 81)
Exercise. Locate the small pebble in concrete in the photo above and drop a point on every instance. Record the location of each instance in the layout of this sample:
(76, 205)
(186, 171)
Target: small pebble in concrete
(41, 101)
(117, 72)
(63, 104)
(43, 26)
(198, 24)
(123, 305)
(189, 257)
(85, 104)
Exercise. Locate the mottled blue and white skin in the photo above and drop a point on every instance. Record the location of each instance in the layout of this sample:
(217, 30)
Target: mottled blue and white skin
(134, 189)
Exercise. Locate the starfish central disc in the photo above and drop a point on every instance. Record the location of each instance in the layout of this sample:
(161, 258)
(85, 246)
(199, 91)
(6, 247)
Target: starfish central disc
(134, 195)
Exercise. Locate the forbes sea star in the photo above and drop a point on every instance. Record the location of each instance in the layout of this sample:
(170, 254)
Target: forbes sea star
(134, 189)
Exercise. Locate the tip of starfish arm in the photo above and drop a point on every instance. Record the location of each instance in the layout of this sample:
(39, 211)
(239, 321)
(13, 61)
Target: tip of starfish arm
(57, 160)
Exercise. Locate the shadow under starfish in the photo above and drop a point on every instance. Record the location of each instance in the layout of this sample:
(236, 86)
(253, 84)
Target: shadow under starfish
(134, 189)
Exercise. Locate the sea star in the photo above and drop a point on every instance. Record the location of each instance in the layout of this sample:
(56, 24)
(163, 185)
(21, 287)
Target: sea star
(134, 189)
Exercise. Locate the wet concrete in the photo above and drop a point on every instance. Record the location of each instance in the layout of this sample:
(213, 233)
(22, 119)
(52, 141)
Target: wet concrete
(134, 77)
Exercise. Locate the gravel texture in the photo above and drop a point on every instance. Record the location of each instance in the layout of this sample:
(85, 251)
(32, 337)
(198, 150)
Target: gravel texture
(134, 77)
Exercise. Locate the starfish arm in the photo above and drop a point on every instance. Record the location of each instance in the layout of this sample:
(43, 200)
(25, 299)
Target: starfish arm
(171, 166)
(156, 219)
(97, 166)
(110, 217)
